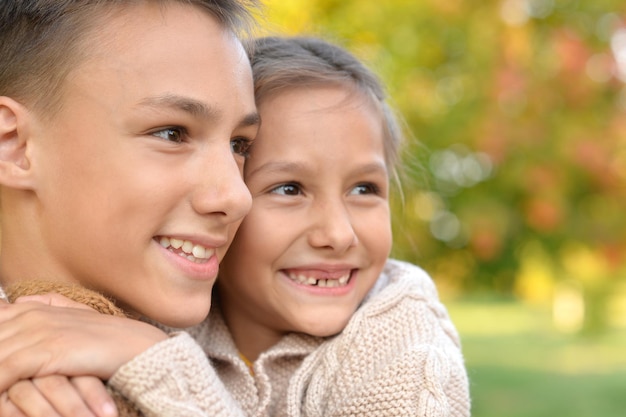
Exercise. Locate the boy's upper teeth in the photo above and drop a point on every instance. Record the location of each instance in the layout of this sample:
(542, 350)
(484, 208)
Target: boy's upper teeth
(189, 248)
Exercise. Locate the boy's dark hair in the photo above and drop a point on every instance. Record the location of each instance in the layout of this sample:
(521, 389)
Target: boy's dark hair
(280, 63)
(42, 40)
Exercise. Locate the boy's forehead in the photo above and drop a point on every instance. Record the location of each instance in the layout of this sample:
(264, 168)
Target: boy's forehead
(123, 26)
(134, 37)
(162, 57)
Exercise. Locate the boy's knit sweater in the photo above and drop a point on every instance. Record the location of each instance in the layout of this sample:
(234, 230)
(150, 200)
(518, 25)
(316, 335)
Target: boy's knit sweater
(398, 356)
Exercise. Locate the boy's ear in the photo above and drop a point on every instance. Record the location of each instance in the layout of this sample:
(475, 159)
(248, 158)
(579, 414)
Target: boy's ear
(15, 165)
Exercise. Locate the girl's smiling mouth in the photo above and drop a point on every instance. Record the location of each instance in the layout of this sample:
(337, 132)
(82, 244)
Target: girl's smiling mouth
(320, 278)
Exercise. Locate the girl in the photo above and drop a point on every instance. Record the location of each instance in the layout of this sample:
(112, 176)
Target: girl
(306, 296)
(310, 317)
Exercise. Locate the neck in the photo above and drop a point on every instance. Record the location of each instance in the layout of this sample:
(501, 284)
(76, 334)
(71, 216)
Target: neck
(251, 337)
(23, 255)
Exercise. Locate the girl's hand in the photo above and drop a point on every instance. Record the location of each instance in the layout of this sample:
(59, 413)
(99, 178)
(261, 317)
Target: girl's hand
(39, 340)
(58, 396)
(54, 300)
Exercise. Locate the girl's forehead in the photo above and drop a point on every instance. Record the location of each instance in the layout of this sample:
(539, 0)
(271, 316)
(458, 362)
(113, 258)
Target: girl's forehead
(318, 124)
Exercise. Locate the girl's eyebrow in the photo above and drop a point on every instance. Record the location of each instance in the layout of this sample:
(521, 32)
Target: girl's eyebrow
(372, 168)
(279, 166)
(299, 167)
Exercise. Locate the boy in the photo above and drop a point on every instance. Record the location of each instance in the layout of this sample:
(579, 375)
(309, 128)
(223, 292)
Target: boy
(124, 127)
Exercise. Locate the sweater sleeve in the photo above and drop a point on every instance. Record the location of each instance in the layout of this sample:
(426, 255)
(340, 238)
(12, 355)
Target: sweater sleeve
(174, 378)
(433, 353)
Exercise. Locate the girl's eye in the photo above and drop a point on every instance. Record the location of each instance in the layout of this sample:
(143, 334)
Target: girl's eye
(241, 146)
(364, 189)
(171, 134)
(287, 189)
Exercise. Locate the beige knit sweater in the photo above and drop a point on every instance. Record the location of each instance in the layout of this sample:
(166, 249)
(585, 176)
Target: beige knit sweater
(399, 356)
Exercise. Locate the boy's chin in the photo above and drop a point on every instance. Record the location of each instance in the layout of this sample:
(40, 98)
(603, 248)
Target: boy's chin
(181, 316)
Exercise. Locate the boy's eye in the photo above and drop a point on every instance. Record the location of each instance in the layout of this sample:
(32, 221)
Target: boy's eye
(287, 189)
(241, 146)
(364, 189)
(171, 134)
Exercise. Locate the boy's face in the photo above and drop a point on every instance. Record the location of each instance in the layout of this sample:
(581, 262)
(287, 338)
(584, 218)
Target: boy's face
(139, 158)
(318, 234)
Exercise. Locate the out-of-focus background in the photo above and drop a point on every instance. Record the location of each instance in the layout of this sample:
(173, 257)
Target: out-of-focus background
(515, 200)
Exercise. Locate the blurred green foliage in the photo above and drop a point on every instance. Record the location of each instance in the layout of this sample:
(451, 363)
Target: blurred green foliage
(519, 367)
(517, 166)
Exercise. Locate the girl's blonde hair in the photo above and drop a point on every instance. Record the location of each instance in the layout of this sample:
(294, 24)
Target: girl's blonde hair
(280, 63)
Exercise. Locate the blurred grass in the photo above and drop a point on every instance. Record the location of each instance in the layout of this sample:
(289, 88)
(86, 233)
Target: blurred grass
(520, 366)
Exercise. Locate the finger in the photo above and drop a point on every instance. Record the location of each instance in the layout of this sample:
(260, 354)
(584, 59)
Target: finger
(94, 393)
(15, 339)
(64, 396)
(25, 395)
(13, 363)
(52, 299)
(18, 367)
(7, 408)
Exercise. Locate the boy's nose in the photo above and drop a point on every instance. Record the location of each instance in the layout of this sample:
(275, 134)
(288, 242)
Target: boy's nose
(221, 191)
(332, 228)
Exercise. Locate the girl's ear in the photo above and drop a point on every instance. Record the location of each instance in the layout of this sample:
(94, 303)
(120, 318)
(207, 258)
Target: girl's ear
(15, 167)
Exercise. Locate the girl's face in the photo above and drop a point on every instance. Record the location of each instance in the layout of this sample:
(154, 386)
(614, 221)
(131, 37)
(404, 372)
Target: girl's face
(319, 232)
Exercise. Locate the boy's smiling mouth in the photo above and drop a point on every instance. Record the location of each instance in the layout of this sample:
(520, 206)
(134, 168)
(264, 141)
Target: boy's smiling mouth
(186, 249)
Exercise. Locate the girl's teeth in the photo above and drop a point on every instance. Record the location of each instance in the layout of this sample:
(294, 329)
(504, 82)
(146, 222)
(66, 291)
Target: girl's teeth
(325, 283)
(176, 243)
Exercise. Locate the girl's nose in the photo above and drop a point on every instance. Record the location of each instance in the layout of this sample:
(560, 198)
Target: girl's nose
(332, 228)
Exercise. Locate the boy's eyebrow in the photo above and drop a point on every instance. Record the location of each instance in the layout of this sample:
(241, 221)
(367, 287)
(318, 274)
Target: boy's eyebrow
(252, 119)
(189, 105)
(195, 108)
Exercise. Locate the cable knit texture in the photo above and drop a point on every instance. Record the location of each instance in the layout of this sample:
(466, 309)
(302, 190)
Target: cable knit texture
(82, 295)
(399, 356)
(174, 378)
